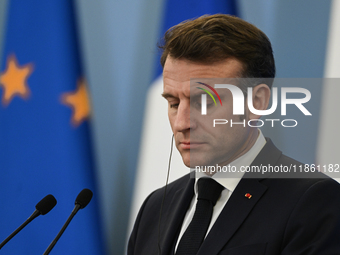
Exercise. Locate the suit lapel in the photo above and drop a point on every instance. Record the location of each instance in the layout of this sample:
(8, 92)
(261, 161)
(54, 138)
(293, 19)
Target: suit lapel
(239, 206)
(178, 208)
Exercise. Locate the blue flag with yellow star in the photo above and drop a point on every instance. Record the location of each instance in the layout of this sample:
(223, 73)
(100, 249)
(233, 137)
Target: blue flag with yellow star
(44, 131)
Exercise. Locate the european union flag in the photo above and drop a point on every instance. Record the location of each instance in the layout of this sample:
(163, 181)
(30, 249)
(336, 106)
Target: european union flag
(44, 131)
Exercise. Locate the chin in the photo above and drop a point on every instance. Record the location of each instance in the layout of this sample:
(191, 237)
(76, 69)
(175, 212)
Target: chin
(186, 161)
(200, 158)
(197, 162)
(194, 159)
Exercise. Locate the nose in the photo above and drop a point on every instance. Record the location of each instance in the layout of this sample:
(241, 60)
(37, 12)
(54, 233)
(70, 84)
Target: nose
(182, 122)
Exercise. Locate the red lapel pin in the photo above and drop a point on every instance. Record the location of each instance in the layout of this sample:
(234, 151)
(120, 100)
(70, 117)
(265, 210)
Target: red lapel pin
(247, 195)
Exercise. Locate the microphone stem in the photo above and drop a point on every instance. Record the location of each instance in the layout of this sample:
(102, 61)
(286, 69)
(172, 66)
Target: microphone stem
(35, 214)
(53, 243)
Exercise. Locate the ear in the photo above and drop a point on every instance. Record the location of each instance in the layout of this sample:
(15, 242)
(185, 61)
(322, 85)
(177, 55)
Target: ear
(260, 96)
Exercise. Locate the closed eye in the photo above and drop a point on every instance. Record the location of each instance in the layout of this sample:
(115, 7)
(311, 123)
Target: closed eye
(172, 101)
(174, 106)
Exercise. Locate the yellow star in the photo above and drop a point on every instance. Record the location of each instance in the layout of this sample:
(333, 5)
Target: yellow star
(14, 80)
(79, 102)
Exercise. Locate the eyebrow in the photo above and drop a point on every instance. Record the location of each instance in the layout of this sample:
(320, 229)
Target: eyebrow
(167, 95)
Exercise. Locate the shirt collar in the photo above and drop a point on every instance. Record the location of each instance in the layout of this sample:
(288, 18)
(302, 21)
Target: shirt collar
(245, 160)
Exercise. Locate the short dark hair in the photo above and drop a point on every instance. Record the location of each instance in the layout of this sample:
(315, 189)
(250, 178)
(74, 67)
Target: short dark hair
(213, 38)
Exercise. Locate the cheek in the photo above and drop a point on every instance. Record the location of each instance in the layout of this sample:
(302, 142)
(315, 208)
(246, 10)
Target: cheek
(172, 119)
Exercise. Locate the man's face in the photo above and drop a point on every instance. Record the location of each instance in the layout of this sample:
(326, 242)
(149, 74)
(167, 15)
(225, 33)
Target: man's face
(198, 142)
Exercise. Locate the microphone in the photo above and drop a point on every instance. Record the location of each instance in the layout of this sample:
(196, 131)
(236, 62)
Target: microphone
(44, 206)
(82, 200)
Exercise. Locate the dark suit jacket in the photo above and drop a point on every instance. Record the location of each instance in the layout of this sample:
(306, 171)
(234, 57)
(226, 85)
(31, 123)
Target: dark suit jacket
(283, 216)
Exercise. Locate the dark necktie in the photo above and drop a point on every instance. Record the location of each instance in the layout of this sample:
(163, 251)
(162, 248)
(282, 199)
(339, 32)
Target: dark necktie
(208, 193)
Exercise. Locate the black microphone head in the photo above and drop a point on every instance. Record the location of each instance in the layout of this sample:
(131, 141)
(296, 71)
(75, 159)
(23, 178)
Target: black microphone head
(84, 198)
(46, 204)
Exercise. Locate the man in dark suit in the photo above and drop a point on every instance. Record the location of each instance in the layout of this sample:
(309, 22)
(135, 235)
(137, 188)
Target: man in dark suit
(268, 212)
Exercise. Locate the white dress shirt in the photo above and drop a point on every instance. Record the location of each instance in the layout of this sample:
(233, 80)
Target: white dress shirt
(228, 183)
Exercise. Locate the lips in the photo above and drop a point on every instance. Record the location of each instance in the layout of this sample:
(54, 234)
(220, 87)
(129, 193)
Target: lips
(190, 145)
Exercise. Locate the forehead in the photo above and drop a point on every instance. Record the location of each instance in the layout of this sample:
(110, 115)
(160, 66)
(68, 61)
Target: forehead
(178, 72)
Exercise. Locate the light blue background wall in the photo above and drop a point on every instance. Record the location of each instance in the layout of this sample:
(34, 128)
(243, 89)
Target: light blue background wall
(118, 41)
